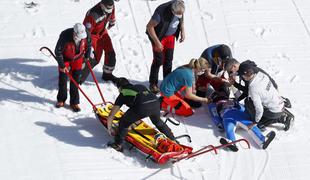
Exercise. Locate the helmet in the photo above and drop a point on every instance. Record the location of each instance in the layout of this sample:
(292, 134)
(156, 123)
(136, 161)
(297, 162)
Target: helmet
(108, 2)
(79, 31)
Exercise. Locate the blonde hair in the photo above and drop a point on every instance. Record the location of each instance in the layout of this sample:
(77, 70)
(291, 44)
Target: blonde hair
(200, 63)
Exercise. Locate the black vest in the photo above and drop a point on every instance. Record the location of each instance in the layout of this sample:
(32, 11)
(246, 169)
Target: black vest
(167, 16)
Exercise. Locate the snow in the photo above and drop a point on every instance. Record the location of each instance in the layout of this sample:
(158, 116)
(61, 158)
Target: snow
(38, 141)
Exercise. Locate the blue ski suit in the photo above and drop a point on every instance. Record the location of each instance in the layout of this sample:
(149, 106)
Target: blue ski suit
(230, 115)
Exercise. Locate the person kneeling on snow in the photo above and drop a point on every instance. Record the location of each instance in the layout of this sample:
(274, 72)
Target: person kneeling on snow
(229, 114)
(71, 49)
(179, 85)
(264, 103)
(142, 103)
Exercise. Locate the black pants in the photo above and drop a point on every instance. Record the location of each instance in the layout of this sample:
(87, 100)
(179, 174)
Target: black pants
(62, 88)
(132, 115)
(268, 117)
(161, 58)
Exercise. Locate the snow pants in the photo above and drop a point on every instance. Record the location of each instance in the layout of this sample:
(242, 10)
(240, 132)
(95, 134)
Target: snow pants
(162, 58)
(75, 71)
(235, 118)
(101, 44)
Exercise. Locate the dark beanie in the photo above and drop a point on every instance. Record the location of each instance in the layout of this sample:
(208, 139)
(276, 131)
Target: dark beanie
(121, 82)
(224, 52)
(247, 67)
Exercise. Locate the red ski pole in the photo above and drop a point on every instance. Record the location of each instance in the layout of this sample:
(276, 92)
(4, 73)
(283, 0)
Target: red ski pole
(71, 78)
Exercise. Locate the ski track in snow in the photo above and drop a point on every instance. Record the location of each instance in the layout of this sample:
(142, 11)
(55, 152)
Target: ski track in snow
(59, 144)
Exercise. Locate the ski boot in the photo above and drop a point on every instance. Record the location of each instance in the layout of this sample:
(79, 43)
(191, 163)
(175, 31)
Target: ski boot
(232, 147)
(269, 137)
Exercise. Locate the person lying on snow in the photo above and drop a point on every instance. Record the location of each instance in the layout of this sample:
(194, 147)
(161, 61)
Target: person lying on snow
(228, 114)
(179, 85)
(142, 103)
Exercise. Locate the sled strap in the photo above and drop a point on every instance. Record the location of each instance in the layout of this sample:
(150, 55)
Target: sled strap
(175, 122)
(188, 137)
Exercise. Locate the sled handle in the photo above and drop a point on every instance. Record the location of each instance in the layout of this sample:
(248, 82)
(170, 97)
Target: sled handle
(176, 122)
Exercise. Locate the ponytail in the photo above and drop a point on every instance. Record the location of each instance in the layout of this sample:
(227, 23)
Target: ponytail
(200, 63)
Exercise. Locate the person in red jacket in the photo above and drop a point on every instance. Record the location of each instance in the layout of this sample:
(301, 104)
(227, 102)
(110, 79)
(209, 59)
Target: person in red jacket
(98, 20)
(70, 51)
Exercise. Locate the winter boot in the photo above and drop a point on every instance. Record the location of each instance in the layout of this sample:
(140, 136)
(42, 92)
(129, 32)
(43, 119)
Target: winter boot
(108, 77)
(75, 107)
(59, 104)
(269, 137)
(115, 146)
(154, 88)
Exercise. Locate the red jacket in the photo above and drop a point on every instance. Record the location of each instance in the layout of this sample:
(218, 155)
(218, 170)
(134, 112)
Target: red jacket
(67, 51)
(96, 21)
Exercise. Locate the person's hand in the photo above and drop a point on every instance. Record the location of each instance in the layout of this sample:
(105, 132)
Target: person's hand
(232, 80)
(251, 126)
(110, 129)
(110, 26)
(182, 37)
(205, 100)
(159, 47)
(64, 70)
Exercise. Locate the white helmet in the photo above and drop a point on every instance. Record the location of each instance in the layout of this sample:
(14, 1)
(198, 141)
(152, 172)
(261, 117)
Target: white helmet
(79, 31)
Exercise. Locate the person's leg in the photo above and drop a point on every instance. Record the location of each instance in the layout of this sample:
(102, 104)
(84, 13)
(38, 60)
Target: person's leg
(168, 44)
(157, 62)
(154, 112)
(127, 119)
(255, 132)
(270, 118)
(74, 91)
(62, 87)
(230, 127)
(109, 58)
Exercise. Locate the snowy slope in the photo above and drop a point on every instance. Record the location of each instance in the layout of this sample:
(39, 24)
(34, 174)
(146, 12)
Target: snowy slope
(38, 141)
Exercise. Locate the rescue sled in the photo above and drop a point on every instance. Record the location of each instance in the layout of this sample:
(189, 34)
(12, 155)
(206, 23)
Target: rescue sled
(142, 136)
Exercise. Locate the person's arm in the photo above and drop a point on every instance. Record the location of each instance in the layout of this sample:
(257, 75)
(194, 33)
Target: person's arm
(150, 28)
(182, 30)
(110, 118)
(215, 78)
(112, 20)
(257, 102)
(190, 95)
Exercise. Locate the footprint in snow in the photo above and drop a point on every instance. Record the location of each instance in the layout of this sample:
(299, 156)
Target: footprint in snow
(31, 7)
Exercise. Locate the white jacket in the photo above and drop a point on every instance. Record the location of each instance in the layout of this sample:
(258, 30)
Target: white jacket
(263, 94)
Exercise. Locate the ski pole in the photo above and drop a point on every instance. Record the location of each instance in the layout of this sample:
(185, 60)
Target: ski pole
(71, 78)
